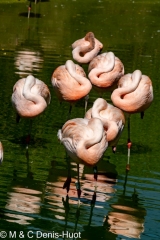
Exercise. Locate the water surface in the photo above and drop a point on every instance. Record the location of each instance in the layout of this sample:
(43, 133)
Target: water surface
(31, 194)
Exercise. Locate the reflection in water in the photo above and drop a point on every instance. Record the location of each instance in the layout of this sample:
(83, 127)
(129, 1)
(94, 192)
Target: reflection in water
(29, 13)
(23, 200)
(126, 217)
(29, 53)
(65, 205)
(27, 61)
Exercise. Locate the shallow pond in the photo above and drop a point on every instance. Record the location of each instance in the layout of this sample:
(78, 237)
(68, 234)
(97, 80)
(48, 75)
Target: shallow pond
(33, 203)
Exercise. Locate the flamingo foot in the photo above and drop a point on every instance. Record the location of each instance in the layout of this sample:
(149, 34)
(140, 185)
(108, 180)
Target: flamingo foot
(67, 184)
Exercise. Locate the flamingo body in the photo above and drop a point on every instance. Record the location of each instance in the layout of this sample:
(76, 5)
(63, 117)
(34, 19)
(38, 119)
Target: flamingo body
(134, 93)
(105, 70)
(84, 140)
(30, 97)
(113, 119)
(85, 49)
(70, 83)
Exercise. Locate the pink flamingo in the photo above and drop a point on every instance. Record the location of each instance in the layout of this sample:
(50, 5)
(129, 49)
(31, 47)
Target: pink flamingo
(30, 97)
(1, 152)
(84, 141)
(70, 83)
(113, 120)
(85, 49)
(133, 95)
(104, 71)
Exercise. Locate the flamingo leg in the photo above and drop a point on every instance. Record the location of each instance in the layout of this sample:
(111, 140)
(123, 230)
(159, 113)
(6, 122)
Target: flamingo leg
(29, 10)
(68, 180)
(78, 187)
(69, 113)
(142, 115)
(29, 134)
(86, 102)
(17, 118)
(129, 144)
(95, 177)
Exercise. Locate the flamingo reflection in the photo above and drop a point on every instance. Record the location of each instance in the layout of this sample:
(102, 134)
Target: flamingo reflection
(23, 201)
(126, 217)
(28, 61)
(65, 206)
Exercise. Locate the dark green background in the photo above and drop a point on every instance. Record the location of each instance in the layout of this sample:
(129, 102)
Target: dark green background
(131, 30)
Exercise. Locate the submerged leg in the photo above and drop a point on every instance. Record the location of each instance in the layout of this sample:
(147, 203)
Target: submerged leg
(78, 187)
(95, 185)
(68, 180)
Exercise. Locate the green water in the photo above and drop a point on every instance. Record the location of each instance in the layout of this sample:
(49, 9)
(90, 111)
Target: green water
(31, 194)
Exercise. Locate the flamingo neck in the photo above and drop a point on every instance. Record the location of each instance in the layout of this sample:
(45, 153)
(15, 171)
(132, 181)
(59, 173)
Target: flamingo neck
(71, 68)
(99, 105)
(96, 135)
(111, 129)
(109, 63)
(117, 95)
(89, 44)
(109, 126)
(136, 77)
(39, 101)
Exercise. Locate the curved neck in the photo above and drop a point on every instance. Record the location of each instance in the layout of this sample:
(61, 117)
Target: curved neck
(88, 46)
(71, 68)
(109, 126)
(111, 129)
(96, 127)
(87, 149)
(30, 81)
(117, 95)
(99, 105)
(136, 77)
(107, 66)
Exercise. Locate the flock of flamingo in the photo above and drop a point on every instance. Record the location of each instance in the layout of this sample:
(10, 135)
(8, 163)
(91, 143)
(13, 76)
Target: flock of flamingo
(86, 139)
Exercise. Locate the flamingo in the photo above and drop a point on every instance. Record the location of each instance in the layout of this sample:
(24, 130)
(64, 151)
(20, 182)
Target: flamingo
(85, 49)
(70, 83)
(113, 120)
(104, 71)
(1, 152)
(133, 95)
(84, 141)
(30, 97)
